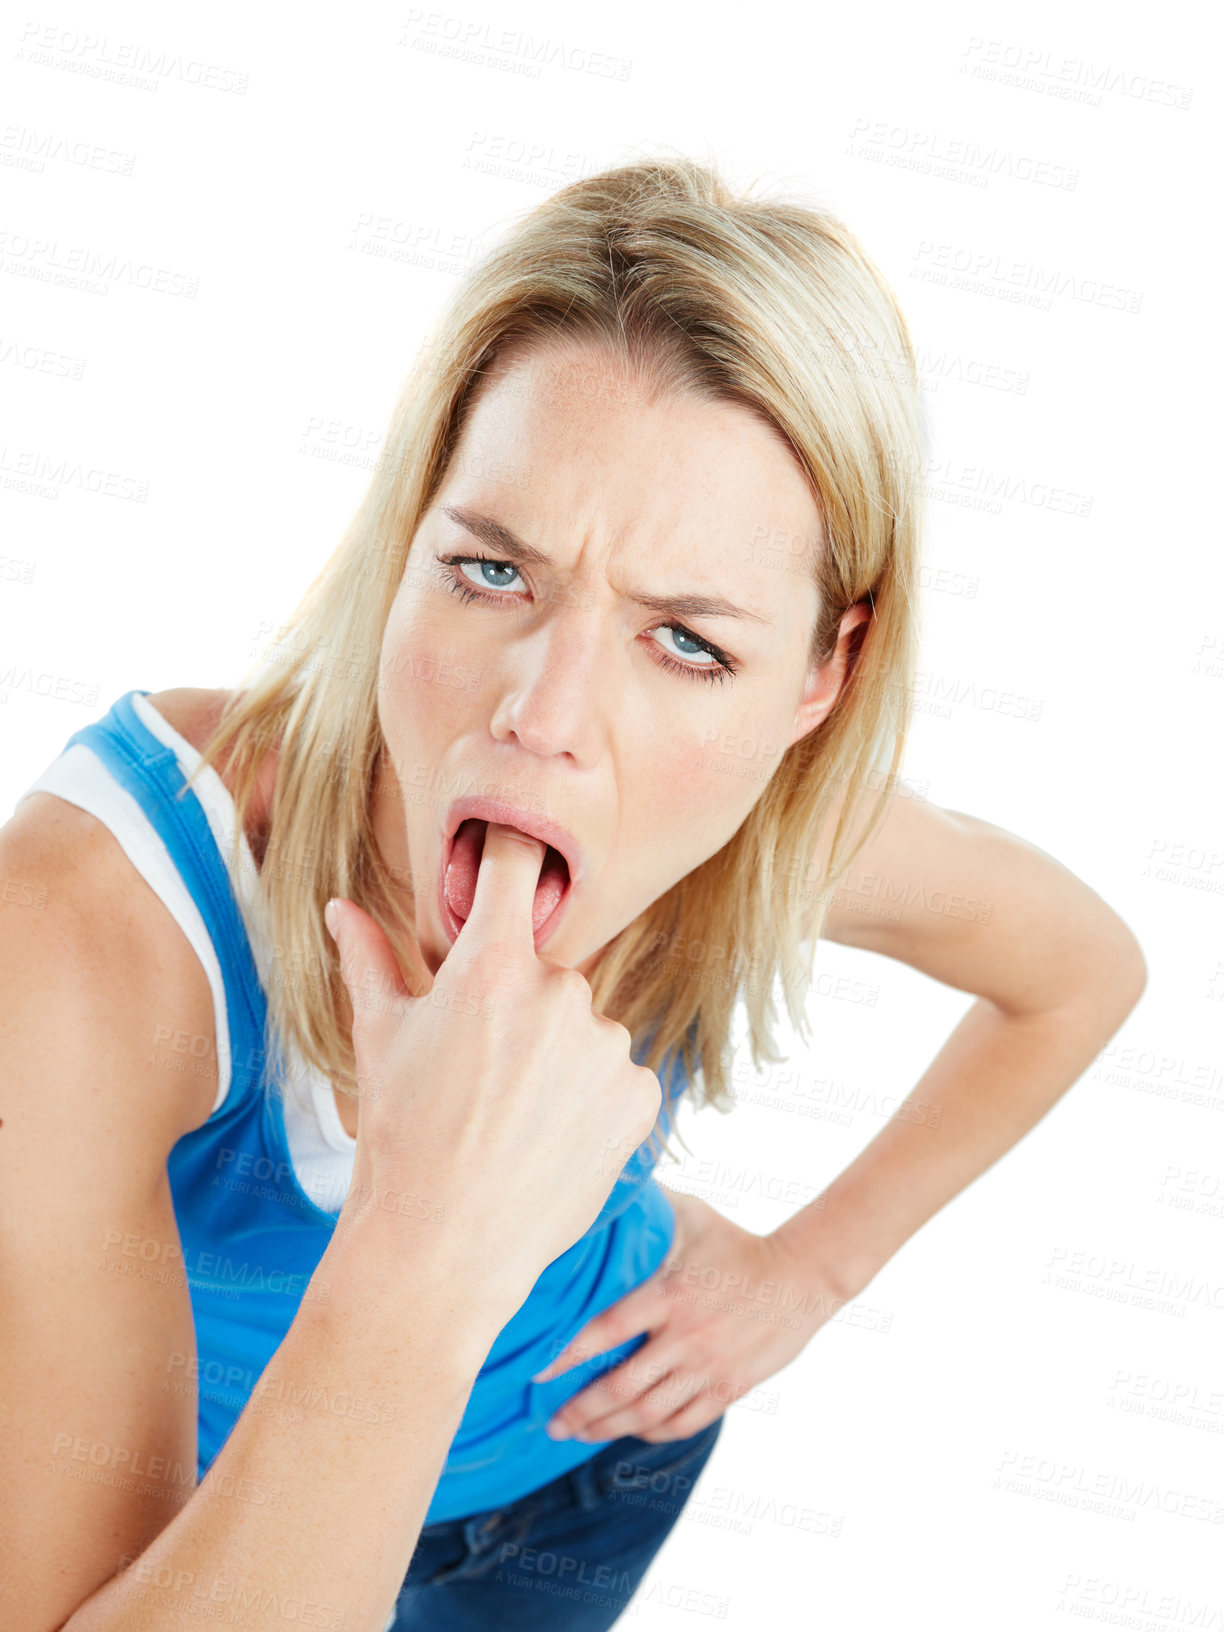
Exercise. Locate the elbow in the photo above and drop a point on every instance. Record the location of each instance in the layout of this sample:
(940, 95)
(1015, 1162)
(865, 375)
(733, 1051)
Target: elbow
(1140, 976)
(1111, 978)
(1127, 966)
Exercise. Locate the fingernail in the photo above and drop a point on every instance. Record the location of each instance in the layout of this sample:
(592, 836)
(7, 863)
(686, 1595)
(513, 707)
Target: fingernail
(558, 1430)
(329, 917)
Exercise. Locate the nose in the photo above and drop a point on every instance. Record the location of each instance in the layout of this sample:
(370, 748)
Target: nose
(555, 687)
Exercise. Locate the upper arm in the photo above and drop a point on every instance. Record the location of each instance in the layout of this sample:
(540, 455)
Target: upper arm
(978, 908)
(96, 1333)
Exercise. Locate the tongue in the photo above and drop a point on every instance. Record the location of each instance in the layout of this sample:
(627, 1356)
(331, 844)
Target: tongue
(464, 865)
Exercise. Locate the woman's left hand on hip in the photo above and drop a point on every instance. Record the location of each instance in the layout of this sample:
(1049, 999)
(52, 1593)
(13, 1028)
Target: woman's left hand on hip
(724, 1310)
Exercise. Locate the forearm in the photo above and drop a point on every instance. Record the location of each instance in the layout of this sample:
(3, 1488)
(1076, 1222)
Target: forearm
(306, 1505)
(992, 1081)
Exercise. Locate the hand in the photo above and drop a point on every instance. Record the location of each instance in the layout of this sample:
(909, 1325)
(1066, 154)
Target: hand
(725, 1310)
(492, 1102)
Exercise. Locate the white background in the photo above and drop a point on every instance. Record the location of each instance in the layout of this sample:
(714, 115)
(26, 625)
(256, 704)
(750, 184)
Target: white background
(1073, 647)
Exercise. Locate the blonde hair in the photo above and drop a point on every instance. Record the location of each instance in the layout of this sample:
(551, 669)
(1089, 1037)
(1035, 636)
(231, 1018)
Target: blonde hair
(763, 302)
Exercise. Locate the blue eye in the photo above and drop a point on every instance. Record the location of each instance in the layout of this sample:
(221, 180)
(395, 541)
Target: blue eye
(484, 561)
(722, 668)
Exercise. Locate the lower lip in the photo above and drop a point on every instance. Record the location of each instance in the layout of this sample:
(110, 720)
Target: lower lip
(453, 924)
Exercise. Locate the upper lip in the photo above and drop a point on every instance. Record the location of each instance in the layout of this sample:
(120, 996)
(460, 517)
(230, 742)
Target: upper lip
(475, 807)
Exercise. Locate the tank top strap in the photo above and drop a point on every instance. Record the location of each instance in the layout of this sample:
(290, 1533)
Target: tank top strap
(150, 772)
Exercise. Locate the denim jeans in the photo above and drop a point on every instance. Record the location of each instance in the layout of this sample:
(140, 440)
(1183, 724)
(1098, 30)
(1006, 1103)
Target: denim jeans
(568, 1555)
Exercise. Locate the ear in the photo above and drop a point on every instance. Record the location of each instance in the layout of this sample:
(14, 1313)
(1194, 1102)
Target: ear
(826, 680)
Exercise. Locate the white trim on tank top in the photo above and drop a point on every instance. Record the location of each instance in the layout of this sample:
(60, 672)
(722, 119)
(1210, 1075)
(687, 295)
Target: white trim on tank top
(321, 1151)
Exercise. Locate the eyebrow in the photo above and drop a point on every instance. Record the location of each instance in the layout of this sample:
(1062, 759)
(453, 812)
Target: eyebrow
(499, 537)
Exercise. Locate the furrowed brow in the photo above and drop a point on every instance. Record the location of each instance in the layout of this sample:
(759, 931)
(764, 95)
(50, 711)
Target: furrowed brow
(499, 537)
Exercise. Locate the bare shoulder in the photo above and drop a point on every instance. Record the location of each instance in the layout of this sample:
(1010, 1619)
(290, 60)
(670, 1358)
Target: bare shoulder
(193, 711)
(80, 926)
(979, 908)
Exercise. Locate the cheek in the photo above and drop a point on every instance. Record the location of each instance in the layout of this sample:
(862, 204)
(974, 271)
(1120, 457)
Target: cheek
(689, 800)
(693, 793)
(732, 769)
(426, 682)
(738, 760)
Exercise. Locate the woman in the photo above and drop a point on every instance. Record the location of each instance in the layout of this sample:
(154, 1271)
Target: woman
(633, 590)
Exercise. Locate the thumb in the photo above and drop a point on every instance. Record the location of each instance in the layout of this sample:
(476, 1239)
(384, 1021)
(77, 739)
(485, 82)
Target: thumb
(367, 963)
(638, 1311)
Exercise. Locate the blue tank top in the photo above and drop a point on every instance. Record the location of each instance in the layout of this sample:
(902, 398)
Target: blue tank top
(252, 1238)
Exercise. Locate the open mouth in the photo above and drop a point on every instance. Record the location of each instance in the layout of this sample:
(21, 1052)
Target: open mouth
(461, 866)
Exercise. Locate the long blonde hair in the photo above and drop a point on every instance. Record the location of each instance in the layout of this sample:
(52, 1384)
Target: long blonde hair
(765, 302)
